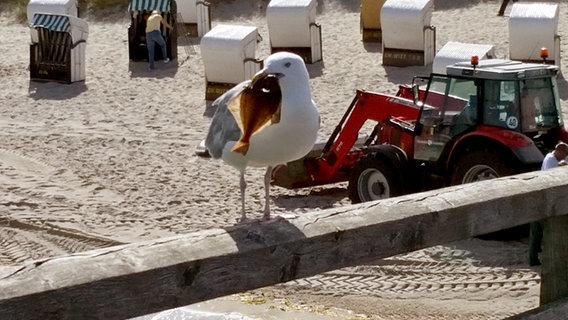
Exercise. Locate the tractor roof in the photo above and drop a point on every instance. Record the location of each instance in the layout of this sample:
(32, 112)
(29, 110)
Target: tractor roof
(500, 69)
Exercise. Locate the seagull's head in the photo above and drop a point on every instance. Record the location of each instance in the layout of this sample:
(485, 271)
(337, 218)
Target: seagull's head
(288, 67)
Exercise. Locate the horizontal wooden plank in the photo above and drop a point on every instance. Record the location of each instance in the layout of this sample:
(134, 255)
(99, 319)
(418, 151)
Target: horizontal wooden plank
(142, 278)
(553, 311)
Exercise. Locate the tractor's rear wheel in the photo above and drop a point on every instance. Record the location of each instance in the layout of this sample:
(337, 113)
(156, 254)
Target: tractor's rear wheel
(373, 179)
(484, 165)
(481, 165)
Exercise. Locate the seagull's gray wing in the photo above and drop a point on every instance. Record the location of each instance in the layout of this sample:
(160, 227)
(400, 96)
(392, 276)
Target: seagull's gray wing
(224, 127)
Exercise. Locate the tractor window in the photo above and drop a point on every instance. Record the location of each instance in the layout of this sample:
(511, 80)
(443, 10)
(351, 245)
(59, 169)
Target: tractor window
(461, 107)
(449, 109)
(436, 93)
(450, 96)
(426, 144)
(539, 110)
(500, 107)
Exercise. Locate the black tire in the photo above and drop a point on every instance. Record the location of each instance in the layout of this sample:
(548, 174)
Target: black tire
(482, 165)
(372, 178)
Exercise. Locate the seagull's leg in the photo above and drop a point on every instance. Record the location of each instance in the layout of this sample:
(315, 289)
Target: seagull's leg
(243, 186)
(267, 178)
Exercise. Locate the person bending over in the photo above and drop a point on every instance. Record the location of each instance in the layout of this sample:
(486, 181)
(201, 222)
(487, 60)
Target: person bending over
(154, 36)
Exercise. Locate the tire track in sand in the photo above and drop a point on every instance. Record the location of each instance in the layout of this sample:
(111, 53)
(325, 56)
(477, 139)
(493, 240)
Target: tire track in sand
(25, 182)
(22, 241)
(24, 175)
(447, 280)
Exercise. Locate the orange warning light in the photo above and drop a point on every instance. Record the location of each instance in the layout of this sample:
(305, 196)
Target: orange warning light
(544, 52)
(474, 60)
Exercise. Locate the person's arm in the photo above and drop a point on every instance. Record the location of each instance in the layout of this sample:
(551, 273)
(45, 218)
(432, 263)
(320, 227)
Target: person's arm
(166, 24)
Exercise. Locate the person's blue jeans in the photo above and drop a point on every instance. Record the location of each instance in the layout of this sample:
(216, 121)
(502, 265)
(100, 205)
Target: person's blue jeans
(152, 38)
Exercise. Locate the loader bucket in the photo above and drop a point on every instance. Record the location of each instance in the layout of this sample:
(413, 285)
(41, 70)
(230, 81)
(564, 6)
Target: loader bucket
(294, 174)
(290, 175)
(306, 171)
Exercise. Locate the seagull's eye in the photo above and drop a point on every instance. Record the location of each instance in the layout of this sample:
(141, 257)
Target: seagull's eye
(287, 64)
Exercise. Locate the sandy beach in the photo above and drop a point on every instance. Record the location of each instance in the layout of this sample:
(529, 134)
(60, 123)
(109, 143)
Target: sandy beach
(110, 160)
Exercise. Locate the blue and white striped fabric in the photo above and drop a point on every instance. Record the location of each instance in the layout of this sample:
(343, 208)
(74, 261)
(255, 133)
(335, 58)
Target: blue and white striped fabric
(51, 21)
(149, 5)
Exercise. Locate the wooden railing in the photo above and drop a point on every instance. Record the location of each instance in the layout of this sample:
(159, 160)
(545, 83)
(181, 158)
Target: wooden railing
(147, 277)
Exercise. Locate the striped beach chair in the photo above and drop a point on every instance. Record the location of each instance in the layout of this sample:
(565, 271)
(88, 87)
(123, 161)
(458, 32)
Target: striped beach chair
(139, 10)
(57, 51)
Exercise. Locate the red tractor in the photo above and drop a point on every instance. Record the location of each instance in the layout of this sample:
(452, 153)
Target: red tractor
(479, 121)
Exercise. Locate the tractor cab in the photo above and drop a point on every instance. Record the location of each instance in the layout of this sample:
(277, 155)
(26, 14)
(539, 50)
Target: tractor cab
(489, 98)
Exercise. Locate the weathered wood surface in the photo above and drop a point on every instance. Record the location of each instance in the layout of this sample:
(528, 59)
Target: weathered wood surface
(554, 258)
(552, 311)
(142, 278)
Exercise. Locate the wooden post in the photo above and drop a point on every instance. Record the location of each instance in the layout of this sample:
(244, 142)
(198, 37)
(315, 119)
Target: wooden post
(554, 257)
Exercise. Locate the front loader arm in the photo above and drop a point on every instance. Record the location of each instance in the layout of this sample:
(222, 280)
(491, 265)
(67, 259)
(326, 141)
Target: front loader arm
(335, 160)
(365, 106)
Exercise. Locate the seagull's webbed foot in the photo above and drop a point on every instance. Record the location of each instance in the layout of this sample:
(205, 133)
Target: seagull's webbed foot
(280, 217)
(266, 216)
(273, 218)
(245, 220)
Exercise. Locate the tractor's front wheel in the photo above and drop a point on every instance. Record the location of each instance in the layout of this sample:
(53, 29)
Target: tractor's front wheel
(373, 179)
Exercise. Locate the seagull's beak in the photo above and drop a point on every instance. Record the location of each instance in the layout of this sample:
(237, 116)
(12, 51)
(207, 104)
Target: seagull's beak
(263, 74)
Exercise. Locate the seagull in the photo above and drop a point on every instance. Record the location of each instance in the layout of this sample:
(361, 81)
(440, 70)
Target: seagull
(266, 121)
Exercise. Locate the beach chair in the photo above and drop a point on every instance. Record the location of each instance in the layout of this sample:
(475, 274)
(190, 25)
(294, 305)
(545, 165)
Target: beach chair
(533, 26)
(292, 27)
(139, 11)
(66, 7)
(57, 49)
(370, 20)
(229, 57)
(504, 4)
(454, 52)
(195, 15)
(408, 37)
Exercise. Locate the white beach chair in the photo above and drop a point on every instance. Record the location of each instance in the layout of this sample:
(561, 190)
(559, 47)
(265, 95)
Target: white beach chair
(195, 15)
(453, 52)
(408, 37)
(533, 26)
(57, 49)
(229, 57)
(371, 20)
(292, 27)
